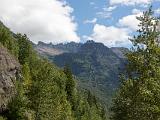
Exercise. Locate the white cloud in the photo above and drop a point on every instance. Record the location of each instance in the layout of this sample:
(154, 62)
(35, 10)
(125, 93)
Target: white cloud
(104, 14)
(130, 21)
(85, 37)
(44, 20)
(130, 2)
(92, 3)
(109, 9)
(111, 36)
(157, 11)
(93, 21)
(136, 11)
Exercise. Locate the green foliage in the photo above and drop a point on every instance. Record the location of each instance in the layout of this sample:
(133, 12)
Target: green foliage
(2, 118)
(18, 105)
(27, 80)
(139, 95)
(84, 104)
(44, 92)
(70, 86)
(88, 108)
(47, 97)
(8, 41)
(25, 49)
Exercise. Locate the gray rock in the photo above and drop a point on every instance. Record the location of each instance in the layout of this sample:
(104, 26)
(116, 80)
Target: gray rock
(9, 68)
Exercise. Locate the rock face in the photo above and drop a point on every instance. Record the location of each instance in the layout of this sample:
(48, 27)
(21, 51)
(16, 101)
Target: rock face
(9, 68)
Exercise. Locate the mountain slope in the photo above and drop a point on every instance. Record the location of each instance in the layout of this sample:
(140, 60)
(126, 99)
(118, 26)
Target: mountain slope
(96, 66)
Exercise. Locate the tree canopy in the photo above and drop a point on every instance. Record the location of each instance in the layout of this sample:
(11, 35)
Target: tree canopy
(139, 95)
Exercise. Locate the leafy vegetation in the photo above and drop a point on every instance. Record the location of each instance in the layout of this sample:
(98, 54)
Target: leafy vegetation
(139, 95)
(45, 92)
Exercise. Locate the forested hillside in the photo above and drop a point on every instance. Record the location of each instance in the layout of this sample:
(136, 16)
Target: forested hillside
(42, 91)
(96, 66)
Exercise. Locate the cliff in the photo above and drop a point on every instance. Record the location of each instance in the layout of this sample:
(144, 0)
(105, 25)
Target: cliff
(9, 70)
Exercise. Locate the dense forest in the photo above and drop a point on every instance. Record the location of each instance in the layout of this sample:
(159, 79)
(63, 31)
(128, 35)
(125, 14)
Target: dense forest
(43, 91)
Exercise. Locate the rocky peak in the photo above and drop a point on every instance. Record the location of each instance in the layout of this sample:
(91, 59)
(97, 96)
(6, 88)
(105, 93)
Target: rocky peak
(68, 47)
(9, 68)
(44, 44)
(92, 47)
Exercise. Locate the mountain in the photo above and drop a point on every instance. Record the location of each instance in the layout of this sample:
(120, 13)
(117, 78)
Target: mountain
(69, 47)
(52, 50)
(96, 66)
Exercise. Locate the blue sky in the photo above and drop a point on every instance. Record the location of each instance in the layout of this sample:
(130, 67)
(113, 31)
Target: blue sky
(89, 9)
(111, 22)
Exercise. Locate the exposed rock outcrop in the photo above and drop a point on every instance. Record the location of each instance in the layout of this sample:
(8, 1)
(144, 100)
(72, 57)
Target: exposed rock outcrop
(9, 69)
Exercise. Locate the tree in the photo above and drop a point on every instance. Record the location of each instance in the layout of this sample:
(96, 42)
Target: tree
(139, 95)
(18, 105)
(27, 81)
(70, 86)
(25, 49)
(47, 95)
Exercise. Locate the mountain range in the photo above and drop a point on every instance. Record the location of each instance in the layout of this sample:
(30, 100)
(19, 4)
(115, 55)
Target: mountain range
(96, 66)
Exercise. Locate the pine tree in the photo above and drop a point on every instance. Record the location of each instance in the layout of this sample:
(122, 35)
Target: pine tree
(27, 80)
(25, 49)
(139, 95)
(47, 96)
(70, 86)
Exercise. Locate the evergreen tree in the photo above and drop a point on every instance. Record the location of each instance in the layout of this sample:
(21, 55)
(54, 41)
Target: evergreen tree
(70, 86)
(25, 49)
(47, 96)
(139, 95)
(27, 80)
(18, 105)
